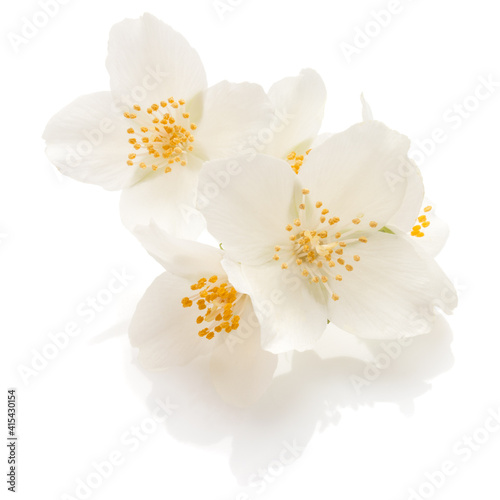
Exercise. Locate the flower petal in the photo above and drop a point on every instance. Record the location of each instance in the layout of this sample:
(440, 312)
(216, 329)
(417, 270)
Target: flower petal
(292, 311)
(404, 218)
(149, 62)
(188, 259)
(87, 141)
(320, 139)
(353, 172)
(247, 203)
(366, 110)
(240, 369)
(299, 103)
(165, 332)
(392, 291)
(166, 198)
(233, 113)
(408, 212)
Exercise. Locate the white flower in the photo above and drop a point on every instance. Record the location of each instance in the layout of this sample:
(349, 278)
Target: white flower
(152, 132)
(320, 240)
(193, 310)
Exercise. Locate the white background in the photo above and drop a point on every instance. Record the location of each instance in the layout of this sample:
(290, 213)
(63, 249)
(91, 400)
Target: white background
(62, 240)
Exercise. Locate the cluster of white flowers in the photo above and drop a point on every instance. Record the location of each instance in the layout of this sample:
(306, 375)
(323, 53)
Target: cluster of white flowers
(314, 229)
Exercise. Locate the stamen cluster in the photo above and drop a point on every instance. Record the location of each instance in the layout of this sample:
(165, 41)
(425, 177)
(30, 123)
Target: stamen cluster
(218, 301)
(162, 136)
(319, 253)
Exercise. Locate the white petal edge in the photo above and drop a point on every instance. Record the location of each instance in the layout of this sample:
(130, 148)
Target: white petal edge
(407, 213)
(292, 312)
(366, 110)
(233, 115)
(351, 173)
(404, 218)
(87, 141)
(299, 104)
(247, 203)
(181, 257)
(168, 199)
(392, 292)
(165, 332)
(149, 62)
(240, 369)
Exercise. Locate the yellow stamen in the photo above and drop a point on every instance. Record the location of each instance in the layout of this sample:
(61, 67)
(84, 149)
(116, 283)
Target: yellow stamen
(423, 222)
(166, 135)
(218, 301)
(296, 160)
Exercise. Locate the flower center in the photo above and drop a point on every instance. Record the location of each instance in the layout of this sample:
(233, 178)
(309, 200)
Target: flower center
(423, 223)
(296, 161)
(218, 301)
(321, 254)
(161, 136)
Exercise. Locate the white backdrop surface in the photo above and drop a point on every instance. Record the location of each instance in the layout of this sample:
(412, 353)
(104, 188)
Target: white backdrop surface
(427, 426)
